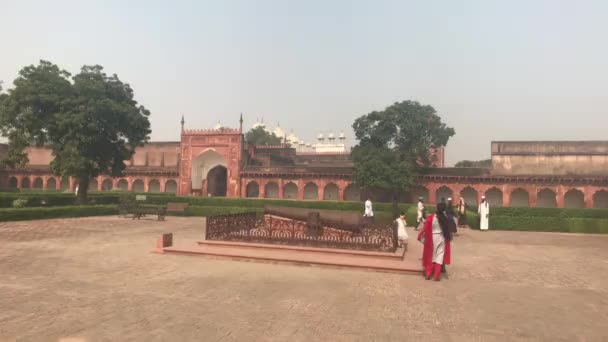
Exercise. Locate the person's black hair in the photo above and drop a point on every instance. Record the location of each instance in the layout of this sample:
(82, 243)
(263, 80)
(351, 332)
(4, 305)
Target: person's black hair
(402, 213)
(442, 218)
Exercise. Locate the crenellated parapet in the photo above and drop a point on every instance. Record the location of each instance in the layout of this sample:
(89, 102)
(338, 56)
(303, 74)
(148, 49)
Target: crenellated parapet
(219, 131)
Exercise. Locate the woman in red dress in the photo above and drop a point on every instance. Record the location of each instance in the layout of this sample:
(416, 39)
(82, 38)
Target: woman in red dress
(436, 236)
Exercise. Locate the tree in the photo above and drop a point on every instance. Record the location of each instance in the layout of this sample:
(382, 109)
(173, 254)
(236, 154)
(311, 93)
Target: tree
(393, 146)
(259, 136)
(90, 122)
(478, 163)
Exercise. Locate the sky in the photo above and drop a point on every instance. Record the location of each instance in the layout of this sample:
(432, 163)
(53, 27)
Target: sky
(493, 70)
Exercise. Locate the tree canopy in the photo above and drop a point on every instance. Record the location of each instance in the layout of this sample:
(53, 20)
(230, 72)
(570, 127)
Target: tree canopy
(474, 163)
(394, 145)
(259, 136)
(90, 121)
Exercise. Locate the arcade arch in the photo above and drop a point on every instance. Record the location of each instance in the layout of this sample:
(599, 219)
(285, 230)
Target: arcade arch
(171, 186)
(520, 198)
(12, 182)
(311, 191)
(546, 198)
(443, 193)
(51, 184)
(470, 196)
(600, 199)
(106, 185)
(494, 197)
(252, 190)
(122, 185)
(290, 191)
(352, 193)
(574, 199)
(37, 183)
(271, 190)
(331, 192)
(138, 186)
(154, 186)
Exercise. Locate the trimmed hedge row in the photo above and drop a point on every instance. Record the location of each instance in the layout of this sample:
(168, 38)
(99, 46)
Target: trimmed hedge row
(550, 212)
(24, 214)
(549, 224)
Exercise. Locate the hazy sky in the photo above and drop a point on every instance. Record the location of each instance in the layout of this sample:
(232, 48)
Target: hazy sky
(494, 70)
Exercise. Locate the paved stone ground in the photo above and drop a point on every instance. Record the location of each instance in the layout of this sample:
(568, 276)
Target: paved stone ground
(95, 279)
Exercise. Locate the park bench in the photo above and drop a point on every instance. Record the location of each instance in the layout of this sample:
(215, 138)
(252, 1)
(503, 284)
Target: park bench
(138, 211)
(176, 207)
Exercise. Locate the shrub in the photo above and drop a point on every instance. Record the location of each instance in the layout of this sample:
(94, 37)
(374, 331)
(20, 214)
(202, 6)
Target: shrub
(22, 214)
(19, 203)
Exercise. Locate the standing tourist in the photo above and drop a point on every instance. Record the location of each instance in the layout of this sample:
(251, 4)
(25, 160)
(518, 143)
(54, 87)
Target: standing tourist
(484, 213)
(369, 212)
(462, 213)
(401, 230)
(451, 215)
(420, 213)
(436, 237)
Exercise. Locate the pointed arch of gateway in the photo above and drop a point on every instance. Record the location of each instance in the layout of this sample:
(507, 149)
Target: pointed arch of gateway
(494, 197)
(290, 191)
(210, 173)
(574, 198)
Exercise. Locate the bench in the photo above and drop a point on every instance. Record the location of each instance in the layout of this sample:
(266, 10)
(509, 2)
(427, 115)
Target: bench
(139, 211)
(176, 207)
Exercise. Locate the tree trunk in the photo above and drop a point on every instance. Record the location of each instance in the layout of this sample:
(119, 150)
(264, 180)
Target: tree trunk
(83, 189)
(395, 205)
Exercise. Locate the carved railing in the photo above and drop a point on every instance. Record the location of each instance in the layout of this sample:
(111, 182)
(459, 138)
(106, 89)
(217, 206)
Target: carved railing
(249, 227)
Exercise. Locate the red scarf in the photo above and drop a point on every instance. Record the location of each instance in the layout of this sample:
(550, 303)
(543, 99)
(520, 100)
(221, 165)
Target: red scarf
(427, 252)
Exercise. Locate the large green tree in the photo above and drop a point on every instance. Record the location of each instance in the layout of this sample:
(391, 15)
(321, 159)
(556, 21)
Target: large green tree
(90, 121)
(393, 146)
(259, 136)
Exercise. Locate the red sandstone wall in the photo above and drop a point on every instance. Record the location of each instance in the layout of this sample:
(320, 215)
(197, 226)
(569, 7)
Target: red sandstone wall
(156, 154)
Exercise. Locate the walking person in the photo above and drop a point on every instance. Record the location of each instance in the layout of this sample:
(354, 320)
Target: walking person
(451, 216)
(462, 213)
(369, 211)
(436, 237)
(420, 213)
(401, 230)
(484, 213)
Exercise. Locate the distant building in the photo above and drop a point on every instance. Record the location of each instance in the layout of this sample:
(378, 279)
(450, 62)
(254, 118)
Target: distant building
(218, 162)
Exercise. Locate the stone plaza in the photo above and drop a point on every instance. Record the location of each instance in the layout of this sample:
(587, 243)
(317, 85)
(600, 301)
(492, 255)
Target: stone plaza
(95, 279)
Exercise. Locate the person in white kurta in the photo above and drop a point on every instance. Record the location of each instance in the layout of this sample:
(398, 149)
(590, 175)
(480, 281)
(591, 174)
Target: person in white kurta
(484, 213)
(369, 212)
(419, 213)
(401, 230)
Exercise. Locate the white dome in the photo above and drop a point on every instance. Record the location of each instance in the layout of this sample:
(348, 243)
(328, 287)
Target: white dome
(279, 132)
(331, 136)
(320, 137)
(219, 125)
(342, 136)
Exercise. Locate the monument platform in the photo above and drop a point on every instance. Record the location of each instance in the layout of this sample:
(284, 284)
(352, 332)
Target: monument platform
(401, 261)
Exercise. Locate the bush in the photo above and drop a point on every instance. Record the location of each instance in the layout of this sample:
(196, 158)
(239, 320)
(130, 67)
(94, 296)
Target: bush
(19, 203)
(543, 224)
(550, 212)
(22, 214)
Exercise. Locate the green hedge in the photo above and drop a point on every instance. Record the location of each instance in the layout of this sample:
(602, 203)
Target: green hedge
(549, 224)
(23, 214)
(550, 212)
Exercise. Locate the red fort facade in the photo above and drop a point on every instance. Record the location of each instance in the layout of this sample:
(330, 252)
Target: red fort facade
(218, 162)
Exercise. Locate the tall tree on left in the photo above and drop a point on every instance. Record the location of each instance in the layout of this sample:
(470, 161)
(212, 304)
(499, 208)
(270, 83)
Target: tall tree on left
(90, 121)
